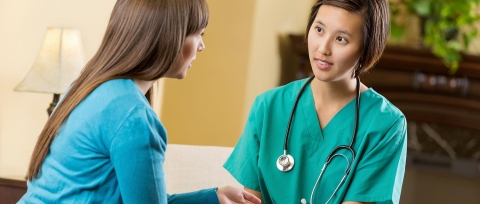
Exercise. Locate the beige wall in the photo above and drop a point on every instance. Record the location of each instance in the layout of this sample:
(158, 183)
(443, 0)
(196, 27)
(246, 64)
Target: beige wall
(274, 20)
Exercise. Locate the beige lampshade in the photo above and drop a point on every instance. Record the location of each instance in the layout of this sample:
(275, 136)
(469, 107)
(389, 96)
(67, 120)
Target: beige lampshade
(58, 64)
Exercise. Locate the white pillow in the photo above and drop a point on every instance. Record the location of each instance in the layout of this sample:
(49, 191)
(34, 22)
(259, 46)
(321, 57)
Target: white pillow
(191, 167)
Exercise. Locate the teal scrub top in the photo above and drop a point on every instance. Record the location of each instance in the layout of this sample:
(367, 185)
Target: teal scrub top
(377, 171)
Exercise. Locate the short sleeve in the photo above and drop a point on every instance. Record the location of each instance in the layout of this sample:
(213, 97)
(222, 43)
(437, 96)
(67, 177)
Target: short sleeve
(137, 153)
(243, 162)
(379, 175)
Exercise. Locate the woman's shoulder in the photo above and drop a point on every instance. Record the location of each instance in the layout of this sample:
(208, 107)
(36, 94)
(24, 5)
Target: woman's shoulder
(381, 109)
(117, 87)
(122, 91)
(385, 106)
(117, 96)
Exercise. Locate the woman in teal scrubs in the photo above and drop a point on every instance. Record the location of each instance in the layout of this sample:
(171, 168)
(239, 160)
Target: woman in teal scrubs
(345, 38)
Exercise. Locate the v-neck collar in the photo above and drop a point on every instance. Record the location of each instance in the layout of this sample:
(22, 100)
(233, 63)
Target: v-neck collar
(342, 118)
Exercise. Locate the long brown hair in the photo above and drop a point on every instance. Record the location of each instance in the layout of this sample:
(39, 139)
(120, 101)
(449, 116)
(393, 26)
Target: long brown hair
(143, 40)
(376, 26)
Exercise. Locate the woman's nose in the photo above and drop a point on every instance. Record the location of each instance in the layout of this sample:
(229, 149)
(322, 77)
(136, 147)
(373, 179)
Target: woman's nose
(324, 47)
(201, 47)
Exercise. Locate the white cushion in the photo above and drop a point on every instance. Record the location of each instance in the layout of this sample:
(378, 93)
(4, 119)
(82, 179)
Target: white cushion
(191, 167)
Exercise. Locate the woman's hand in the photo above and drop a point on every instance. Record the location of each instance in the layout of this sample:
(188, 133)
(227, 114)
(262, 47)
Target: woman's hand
(230, 195)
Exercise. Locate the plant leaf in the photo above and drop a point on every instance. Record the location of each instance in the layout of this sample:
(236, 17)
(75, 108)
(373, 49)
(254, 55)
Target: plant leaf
(422, 8)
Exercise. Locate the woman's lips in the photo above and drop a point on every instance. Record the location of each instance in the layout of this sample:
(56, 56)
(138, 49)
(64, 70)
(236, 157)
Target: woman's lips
(322, 64)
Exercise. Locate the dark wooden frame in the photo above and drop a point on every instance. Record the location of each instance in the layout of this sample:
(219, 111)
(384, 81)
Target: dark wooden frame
(11, 190)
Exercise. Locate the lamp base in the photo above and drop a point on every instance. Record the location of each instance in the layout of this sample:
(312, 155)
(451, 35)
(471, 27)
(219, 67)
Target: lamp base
(56, 97)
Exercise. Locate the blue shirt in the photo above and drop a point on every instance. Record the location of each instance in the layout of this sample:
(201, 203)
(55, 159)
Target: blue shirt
(110, 149)
(376, 173)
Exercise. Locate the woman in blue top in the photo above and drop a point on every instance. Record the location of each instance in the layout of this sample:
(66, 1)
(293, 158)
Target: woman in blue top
(337, 119)
(104, 143)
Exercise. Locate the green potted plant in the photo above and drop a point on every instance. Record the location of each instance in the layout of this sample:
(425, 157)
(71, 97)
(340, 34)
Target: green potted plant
(447, 26)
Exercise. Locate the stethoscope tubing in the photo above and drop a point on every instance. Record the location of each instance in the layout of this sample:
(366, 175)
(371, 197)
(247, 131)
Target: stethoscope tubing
(285, 142)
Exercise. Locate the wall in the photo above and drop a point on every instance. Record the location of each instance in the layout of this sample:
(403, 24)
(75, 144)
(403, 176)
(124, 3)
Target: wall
(270, 52)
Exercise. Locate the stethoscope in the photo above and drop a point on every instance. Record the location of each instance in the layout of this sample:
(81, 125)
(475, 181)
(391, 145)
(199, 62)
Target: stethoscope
(286, 162)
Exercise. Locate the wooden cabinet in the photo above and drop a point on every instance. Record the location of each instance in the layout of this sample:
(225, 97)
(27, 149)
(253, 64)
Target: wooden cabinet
(11, 190)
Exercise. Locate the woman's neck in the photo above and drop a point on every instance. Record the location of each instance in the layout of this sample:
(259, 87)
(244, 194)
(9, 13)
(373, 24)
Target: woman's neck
(143, 85)
(338, 93)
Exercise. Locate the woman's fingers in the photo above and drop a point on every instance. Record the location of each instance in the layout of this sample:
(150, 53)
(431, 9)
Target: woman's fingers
(250, 197)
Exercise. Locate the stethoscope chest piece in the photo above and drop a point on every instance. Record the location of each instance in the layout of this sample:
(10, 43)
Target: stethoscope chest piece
(285, 162)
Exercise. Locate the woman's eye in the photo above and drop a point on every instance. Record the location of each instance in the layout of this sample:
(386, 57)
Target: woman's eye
(341, 40)
(319, 30)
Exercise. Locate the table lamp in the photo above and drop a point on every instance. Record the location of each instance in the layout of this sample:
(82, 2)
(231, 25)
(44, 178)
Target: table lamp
(58, 64)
